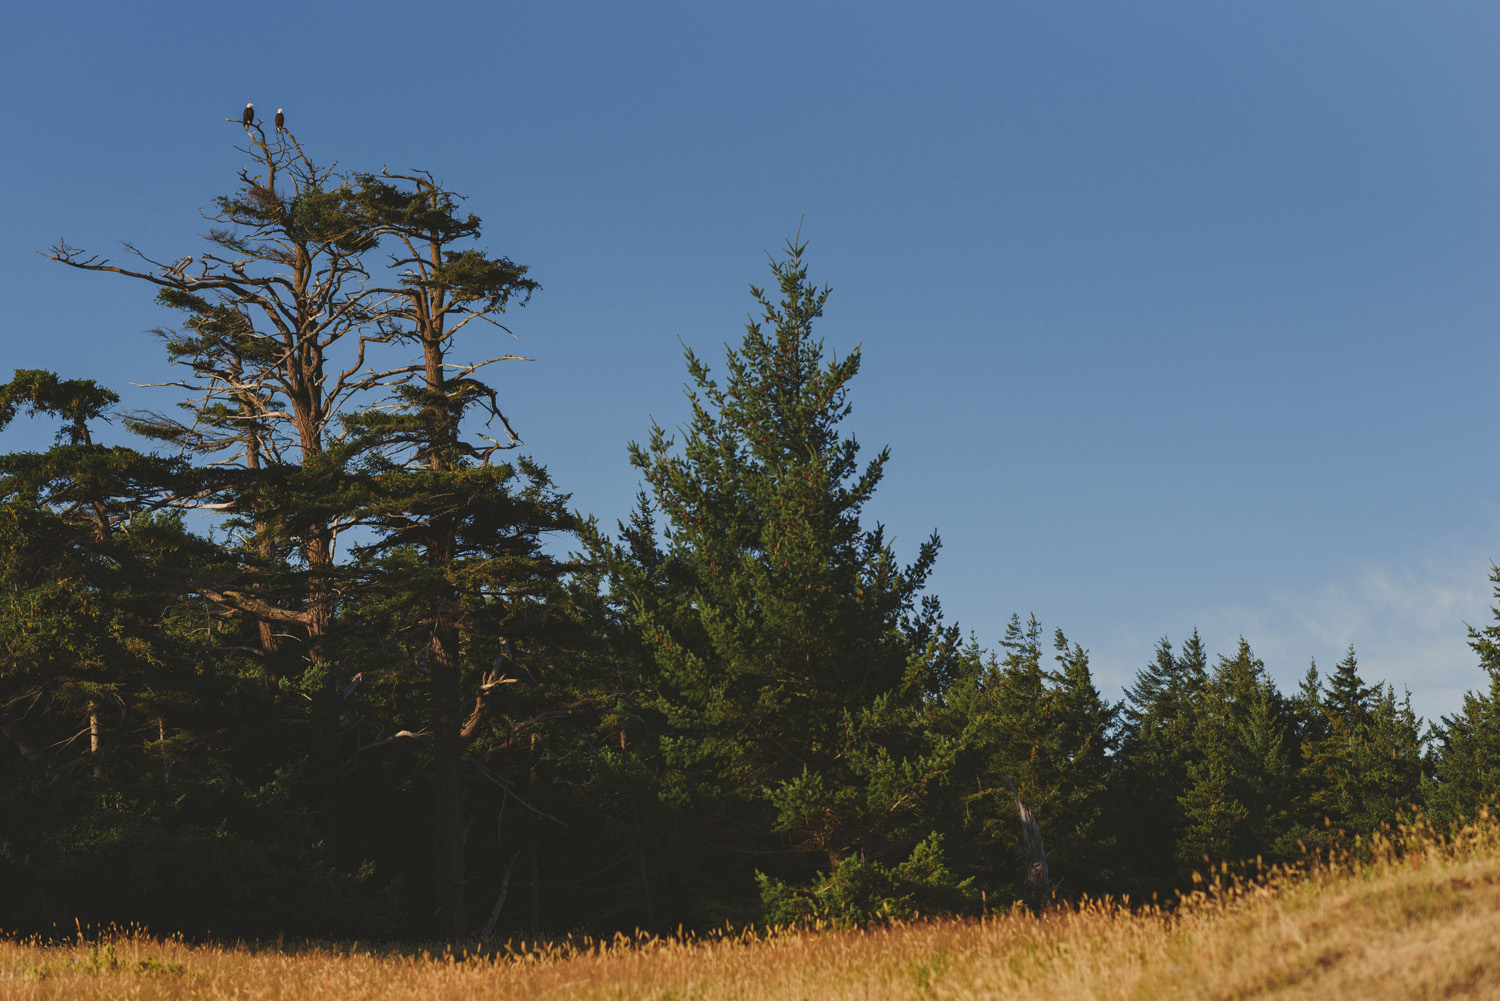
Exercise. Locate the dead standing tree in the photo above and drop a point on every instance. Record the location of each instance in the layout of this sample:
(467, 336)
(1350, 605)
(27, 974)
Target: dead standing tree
(1036, 881)
(281, 313)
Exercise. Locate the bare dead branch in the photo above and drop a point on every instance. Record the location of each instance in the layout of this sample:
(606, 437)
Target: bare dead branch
(510, 790)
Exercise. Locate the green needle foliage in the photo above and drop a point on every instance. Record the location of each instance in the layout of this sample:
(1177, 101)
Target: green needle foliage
(1239, 796)
(1363, 763)
(1468, 759)
(134, 793)
(793, 652)
(1045, 736)
(1160, 716)
(376, 701)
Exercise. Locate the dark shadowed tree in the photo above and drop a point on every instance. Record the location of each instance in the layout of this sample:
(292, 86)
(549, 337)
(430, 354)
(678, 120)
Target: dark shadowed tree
(1048, 733)
(479, 580)
(281, 311)
(69, 645)
(1467, 776)
(1363, 766)
(1160, 720)
(1240, 794)
(133, 768)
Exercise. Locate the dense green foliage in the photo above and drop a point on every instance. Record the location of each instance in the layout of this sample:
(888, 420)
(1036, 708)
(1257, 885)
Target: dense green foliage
(740, 706)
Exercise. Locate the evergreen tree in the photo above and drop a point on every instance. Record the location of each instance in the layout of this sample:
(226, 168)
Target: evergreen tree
(133, 774)
(479, 575)
(1467, 778)
(311, 418)
(1048, 735)
(281, 317)
(1158, 747)
(69, 636)
(793, 655)
(1364, 763)
(1239, 795)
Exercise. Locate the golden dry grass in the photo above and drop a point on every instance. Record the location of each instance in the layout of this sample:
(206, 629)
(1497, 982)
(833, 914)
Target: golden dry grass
(1422, 923)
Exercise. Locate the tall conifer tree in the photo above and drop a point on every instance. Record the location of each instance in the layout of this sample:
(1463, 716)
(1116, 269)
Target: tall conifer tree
(1363, 765)
(1240, 793)
(1158, 747)
(1468, 763)
(791, 644)
(480, 579)
(281, 315)
(1047, 735)
(312, 418)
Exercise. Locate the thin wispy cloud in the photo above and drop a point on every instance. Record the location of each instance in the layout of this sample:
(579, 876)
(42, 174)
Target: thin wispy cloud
(1407, 623)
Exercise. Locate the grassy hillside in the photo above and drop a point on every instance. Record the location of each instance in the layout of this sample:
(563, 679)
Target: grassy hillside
(1423, 922)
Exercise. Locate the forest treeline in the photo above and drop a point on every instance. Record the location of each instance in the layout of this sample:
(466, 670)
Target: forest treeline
(368, 698)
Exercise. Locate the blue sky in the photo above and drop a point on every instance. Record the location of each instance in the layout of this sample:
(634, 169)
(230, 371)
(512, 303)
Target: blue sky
(1173, 314)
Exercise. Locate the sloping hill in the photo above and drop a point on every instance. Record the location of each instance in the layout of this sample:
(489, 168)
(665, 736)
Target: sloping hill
(1422, 922)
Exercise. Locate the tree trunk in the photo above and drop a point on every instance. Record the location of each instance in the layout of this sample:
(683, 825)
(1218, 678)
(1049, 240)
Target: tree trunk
(650, 924)
(1037, 881)
(326, 764)
(94, 741)
(489, 926)
(536, 883)
(447, 760)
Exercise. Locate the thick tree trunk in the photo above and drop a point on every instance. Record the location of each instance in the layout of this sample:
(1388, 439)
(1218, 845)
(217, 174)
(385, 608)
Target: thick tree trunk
(448, 800)
(270, 643)
(94, 741)
(447, 727)
(325, 762)
(536, 883)
(1037, 881)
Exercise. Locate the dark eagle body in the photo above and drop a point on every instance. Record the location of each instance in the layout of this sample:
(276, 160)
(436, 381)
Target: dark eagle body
(249, 116)
(280, 119)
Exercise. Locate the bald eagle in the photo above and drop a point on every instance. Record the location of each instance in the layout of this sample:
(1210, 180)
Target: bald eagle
(280, 119)
(249, 116)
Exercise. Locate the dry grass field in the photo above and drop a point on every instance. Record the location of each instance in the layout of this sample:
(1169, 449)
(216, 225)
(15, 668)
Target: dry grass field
(1419, 923)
